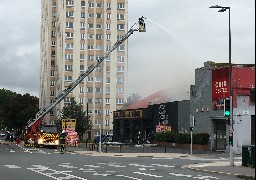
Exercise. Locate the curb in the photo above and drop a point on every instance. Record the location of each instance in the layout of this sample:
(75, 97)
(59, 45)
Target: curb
(221, 173)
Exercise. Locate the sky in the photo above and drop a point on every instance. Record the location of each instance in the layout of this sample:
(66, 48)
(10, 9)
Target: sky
(181, 35)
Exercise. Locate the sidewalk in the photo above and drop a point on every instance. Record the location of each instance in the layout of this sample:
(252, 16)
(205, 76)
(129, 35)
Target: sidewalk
(217, 167)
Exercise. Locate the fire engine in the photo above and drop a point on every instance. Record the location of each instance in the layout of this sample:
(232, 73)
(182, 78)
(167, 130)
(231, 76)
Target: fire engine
(36, 137)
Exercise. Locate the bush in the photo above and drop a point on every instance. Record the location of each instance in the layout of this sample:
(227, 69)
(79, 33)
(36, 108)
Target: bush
(170, 137)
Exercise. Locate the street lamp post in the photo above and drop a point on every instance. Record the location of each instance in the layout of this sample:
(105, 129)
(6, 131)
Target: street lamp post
(223, 9)
(100, 139)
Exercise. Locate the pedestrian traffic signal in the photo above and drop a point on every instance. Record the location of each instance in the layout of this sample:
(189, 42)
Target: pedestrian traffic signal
(227, 108)
(230, 140)
(191, 128)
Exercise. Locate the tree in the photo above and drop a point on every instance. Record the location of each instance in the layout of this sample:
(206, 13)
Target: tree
(75, 111)
(133, 98)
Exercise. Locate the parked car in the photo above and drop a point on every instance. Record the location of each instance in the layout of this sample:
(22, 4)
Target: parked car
(104, 138)
(2, 134)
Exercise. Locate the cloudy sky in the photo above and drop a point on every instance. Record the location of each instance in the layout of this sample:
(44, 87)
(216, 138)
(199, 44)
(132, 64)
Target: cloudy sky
(181, 35)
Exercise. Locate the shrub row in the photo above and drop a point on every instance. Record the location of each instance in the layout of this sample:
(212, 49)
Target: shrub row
(199, 138)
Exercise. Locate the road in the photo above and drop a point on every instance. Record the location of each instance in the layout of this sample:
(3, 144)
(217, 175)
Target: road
(27, 163)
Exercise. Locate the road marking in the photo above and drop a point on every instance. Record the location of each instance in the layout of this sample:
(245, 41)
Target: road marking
(145, 174)
(51, 172)
(12, 166)
(194, 177)
(160, 165)
(138, 165)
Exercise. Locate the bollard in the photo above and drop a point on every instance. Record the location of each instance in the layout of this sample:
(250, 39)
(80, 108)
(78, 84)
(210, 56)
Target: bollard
(143, 148)
(120, 148)
(106, 148)
(164, 149)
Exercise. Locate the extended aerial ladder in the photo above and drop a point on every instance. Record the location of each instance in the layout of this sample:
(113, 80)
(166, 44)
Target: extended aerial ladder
(33, 123)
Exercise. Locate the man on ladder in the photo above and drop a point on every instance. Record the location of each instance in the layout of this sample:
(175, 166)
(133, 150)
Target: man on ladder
(62, 140)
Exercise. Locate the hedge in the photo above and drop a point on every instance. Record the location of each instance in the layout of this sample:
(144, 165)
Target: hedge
(199, 138)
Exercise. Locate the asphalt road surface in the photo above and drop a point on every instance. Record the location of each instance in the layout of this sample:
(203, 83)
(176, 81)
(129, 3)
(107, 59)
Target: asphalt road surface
(28, 163)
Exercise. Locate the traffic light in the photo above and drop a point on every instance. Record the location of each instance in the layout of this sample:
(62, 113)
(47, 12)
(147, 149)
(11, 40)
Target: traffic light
(191, 128)
(227, 108)
(230, 140)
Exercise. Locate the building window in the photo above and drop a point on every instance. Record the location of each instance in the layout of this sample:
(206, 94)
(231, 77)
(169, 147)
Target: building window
(98, 47)
(120, 6)
(52, 93)
(120, 48)
(98, 79)
(98, 36)
(81, 100)
(68, 67)
(81, 68)
(90, 79)
(120, 16)
(107, 90)
(90, 15)
(90, 89)
(97, 111)
(81, 46)
(97, 89)
(106, 122)
(68, 78)
(99, 5)
(98, 100)
(98, 15)
(81, 57)
(52, 73)
(69, 35)
(68, 56)
(53, 33)
(120, 90)
(90, 26)
(69, 24)
(107, 79)
(120, 80)
(120, 69)
(52, 83)
(119, 101)
(108, 5)
(82, 14)
(82, 35)
(69, 46)
(83, 4)
(69, 3)
(120, 58)
(108, 26)
(108, 36)
(90, 57)
(107, 100)
(70, 14)
(90, 47)
(82, 26)
(90, 36)
(53, 43)
(120, 27)
(81, 89)
(91, 5)
(90, 100)
(98, 26)
(66, 99)
(109, 16)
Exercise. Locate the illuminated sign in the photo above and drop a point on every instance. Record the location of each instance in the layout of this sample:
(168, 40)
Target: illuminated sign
(128, 114)
(68, 124)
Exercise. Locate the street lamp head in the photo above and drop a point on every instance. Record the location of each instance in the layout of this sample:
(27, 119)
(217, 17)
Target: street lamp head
(216, 6)
(222, 10)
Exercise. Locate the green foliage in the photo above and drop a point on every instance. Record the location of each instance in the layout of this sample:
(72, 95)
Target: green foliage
(181, 138)
(16, 109)
(75, 111)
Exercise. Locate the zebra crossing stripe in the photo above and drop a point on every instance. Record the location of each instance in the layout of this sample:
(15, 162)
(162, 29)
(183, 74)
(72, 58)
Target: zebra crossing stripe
(12, 166)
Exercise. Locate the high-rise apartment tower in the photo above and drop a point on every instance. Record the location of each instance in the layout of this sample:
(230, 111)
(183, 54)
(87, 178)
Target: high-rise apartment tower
(74, 34)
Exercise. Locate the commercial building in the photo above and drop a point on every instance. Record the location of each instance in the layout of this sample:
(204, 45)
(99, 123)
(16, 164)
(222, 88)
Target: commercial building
(207, 102)
(74, 34)
(152, 114)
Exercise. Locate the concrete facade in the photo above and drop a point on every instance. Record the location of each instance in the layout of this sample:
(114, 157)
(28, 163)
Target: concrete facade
(74, 34)
(212, 121)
